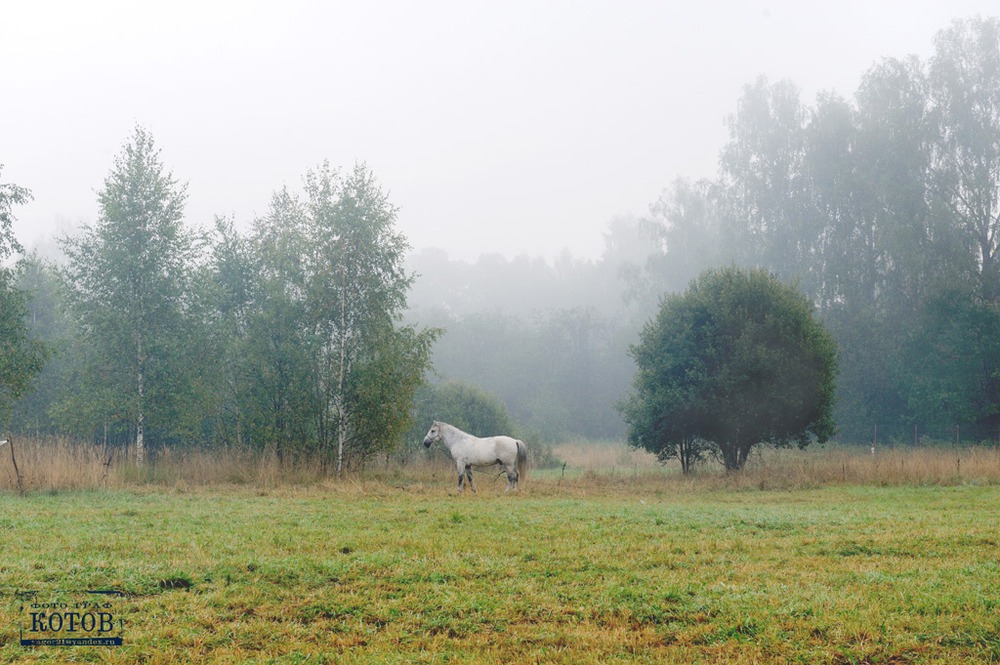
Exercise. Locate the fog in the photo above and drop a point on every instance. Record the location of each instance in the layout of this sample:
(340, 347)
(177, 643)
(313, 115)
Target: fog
(509, 128)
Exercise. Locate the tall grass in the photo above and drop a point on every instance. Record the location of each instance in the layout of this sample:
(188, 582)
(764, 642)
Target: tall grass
(53, 464)
(57, 463)
(790, 469)
(900, 465)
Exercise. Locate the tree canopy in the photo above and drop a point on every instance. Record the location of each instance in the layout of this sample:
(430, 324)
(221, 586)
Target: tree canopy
(22, 355)
(308, 307)
(129, 280)
(287, 339)
(303, 334)
(736, 361)
(885, 209)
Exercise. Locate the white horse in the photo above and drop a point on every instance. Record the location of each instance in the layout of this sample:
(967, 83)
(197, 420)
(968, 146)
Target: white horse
(469, 451)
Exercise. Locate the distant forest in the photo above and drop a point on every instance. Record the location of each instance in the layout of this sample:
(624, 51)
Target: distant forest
(883, 208)
(549, 339)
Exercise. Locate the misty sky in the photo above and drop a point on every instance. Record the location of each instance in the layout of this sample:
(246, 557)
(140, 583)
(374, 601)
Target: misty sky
(510, 127)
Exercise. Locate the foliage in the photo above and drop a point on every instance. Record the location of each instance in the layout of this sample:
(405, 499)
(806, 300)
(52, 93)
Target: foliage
(953, 365)
(129, 287)
(381, 393)
(22, 355)
(10, 195)
(463, 405)
(356, 289)
(308, 309)
(881, 207)
(287, 340)
(47, 321)
(964, 83)
(736, 361)
(263, 328)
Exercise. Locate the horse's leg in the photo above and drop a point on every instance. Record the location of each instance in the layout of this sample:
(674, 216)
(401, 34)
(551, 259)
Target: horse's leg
(468, 474)
(511, 477)
(461, 476)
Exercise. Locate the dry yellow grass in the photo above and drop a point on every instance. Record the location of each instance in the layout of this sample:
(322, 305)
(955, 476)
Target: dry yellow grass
(603, 456)
(62, 464)
(785, 469)
(55, 463)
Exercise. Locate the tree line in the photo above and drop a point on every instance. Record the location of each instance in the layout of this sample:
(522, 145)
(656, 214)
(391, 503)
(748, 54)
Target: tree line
(884, 209)
(287, 338)
(548, 338)
(308, 333)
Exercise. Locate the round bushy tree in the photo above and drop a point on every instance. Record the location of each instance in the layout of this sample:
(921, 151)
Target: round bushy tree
(465, 406)
(736, 361)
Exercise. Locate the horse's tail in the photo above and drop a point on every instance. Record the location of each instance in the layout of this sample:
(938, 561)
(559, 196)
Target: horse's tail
(522, 459)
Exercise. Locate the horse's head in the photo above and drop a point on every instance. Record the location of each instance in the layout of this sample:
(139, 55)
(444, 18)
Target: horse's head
(433, 434)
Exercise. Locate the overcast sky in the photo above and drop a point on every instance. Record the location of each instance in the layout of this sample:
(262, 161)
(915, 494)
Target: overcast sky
(503, 126)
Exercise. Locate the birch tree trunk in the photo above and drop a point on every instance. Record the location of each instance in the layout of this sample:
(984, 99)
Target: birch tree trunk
(342, 371)
(140, 446)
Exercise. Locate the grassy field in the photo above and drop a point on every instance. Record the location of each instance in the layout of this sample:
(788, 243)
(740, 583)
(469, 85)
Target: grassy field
(618, 566)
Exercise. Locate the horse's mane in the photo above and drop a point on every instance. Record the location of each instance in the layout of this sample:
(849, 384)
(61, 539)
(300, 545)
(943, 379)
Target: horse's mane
(444, 425)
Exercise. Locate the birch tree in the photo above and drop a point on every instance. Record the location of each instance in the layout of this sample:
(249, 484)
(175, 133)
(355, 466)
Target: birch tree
(965, 88)
(318, 363)
(127, 276)
(274, 354)
(370, 367)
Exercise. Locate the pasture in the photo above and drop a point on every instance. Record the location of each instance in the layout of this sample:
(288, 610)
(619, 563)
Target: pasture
(619, 566)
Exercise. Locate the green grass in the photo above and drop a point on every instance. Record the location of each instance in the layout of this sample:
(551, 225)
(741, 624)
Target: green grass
(367, 572)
